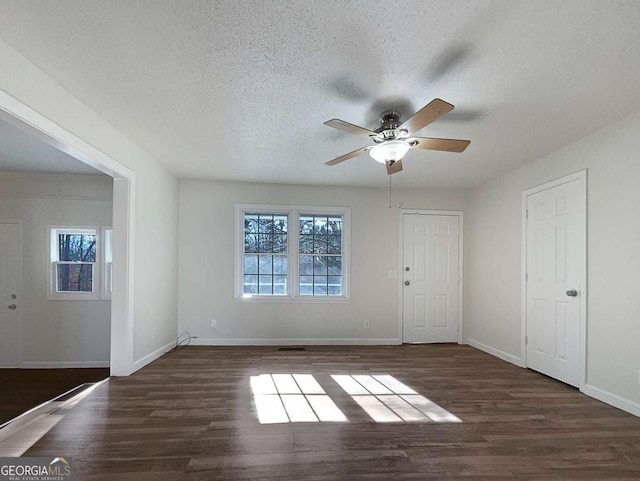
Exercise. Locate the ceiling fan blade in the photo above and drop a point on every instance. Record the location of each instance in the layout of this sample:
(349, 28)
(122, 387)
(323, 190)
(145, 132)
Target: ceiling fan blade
(395, 167)
(347, 127)
(427, 114)
(348, 156)
(445, 145)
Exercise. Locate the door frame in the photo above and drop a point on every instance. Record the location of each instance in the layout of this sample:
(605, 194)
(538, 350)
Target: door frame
(31, 122)
(460, 215)
(580, 176)
(20, 339)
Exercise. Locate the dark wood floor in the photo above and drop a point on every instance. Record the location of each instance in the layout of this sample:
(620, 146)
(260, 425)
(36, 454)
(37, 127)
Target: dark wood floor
(190, 416)
(24, 389)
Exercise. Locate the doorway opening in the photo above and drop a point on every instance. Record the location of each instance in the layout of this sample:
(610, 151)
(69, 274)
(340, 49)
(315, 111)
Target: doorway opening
(39, 127)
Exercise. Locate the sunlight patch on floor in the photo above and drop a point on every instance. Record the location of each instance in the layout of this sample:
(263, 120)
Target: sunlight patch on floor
(385, 399)
(296, 398)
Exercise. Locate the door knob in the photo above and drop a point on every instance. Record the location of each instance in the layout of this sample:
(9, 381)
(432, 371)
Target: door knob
(12, 306)
(406, 283)
(572, 293)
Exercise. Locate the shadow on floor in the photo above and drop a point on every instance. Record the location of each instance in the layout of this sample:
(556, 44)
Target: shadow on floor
(24, 389)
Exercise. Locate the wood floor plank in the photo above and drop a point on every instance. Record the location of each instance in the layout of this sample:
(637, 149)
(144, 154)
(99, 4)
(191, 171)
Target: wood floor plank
(191, 416)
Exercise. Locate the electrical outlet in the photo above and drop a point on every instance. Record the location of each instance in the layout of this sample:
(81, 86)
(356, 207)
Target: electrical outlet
(367, 324)
(214, 323)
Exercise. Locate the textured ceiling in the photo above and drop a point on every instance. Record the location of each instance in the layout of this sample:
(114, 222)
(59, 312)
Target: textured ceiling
(239, 90)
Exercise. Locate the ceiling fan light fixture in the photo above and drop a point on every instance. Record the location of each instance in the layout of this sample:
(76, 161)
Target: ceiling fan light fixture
(390, 151)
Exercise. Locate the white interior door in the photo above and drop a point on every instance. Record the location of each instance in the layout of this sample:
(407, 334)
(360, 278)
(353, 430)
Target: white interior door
(10, 292)
(431, 278)
(556, 242)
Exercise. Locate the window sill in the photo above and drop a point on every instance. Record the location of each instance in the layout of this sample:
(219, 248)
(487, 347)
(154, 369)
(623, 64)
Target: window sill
(73, 297)
(294, 300)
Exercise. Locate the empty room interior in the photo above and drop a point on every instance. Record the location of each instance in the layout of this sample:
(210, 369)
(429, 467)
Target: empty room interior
(298, 240)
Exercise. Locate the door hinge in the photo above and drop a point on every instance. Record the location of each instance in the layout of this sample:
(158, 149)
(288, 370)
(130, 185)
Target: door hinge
(526, 339)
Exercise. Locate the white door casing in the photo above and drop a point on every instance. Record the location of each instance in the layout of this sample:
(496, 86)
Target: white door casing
(555, 279)
(10, 293)
(29, 121)
(431, 277)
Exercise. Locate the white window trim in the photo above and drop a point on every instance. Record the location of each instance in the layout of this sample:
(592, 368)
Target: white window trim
(107, 263)
(52, 293)
(293, 212)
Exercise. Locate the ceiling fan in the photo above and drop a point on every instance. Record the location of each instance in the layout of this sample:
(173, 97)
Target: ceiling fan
(394, 139)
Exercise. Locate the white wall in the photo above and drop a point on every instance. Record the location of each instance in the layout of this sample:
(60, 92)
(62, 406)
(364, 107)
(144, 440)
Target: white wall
(57, 333)
(492, 270)
(155, 248)
(207, 265)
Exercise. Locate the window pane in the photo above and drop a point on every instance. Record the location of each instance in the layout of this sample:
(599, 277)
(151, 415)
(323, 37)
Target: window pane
(265, 243)
(334, 244)
(306, 285)
(279, 264)
(335, 285)
(265, 265)
(280, 285)
(335, 265)
(250, 264)
(77, 247)
(280, 224)
(320, 285)
(75, 277)
(280, 243)
(306, 265)
(306, 244)
(306, 224)
(335, 226)
(251, 242)
(265, 224)
(250, 284)
(320, 265)
(320, 245)
(320, 225)
(265, 285)
(250, 223)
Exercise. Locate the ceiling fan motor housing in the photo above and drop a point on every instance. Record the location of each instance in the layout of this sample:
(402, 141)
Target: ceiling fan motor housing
(389, 122)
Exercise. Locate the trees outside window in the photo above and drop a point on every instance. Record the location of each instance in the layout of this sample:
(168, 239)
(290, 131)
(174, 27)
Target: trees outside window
(77, 263)
(293, 252)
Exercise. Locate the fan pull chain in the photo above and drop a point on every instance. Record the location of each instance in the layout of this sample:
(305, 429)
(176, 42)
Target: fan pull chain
(389, 192)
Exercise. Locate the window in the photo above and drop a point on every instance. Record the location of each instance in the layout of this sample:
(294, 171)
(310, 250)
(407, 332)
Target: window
(289, 252)
(74, 256)
(320, 255)
(265, 254)
(80, 268)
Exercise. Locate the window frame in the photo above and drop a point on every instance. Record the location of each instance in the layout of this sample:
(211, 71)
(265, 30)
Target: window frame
(54, 261)
(293, 213)
(106, 235)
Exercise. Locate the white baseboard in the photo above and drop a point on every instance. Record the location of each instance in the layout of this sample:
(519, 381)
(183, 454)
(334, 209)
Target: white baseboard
(295, 342)
(612, 399)
(149, 358)
(505, 356)
(62, 364)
